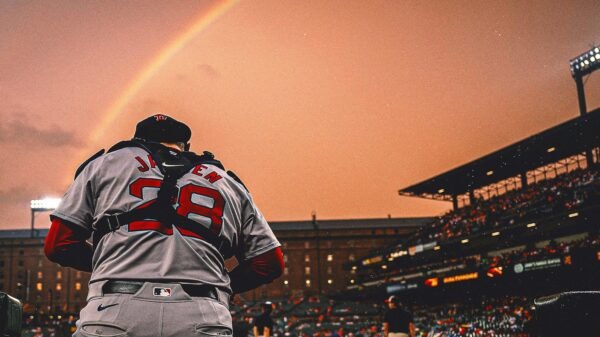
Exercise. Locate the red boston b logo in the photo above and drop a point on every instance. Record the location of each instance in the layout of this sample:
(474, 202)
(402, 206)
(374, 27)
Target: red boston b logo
(160, 118)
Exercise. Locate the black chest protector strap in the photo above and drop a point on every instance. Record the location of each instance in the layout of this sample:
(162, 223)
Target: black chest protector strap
(173, 165)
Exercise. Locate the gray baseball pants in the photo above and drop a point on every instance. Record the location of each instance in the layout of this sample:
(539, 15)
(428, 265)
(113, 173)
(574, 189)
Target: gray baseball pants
(147, 314)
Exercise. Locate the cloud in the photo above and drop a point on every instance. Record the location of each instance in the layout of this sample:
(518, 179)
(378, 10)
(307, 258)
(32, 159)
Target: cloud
(24, 132)
(15, 195)
(209, 70)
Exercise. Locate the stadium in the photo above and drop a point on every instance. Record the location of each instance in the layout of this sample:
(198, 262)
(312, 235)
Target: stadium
(516, 255)
(524, 225)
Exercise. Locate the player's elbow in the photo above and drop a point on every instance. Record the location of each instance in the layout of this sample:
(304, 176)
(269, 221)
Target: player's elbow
(277, 265)
(54, 252)
(268, 266)
(51, 248)
(50, 252)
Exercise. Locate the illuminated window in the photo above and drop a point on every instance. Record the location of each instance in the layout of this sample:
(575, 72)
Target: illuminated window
(58, 287)
(78, 275)
(286, 282)
(351, 257)
(286, 271)
(329, 270)
(308, 283)
(40, 274)
(306, 258)
(39, 286)
(330, 281)
(306, 244)
(77, 286)
(329, 257)
(59, 275)
(307, 270)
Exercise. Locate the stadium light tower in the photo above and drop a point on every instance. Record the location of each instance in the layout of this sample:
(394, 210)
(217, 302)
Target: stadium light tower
(42, 205)
(582, 65)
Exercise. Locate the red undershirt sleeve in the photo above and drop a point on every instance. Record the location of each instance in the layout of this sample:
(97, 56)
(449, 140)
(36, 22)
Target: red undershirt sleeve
(257, 271)
(66, 245)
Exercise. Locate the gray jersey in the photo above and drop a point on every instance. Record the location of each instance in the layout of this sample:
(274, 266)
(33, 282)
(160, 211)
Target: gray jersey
(148, 250)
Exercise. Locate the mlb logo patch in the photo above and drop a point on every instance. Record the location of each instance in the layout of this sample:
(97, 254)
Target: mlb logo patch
(162, 292)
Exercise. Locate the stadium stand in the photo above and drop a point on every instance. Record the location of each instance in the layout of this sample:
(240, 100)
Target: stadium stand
(527, 227)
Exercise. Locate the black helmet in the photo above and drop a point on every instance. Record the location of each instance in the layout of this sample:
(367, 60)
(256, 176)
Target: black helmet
(162, 128)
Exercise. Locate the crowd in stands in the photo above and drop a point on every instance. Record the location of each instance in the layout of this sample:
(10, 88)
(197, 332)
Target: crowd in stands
(493, 317)
(319, 316)
(561, 193)
(49, 325)
(528, 253)
(505, 317)
(532, 253)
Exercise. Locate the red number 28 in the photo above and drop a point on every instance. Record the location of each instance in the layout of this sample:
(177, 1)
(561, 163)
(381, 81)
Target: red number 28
(186, 207)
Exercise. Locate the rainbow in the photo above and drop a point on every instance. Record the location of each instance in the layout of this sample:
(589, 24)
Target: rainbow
(152, 67)
(203, 21)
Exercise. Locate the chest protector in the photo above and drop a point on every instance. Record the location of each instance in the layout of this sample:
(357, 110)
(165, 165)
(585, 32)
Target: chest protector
(173, 165)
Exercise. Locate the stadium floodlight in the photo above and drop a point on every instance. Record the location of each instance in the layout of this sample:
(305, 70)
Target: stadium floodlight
(582, 65)
(47, 204)
(585, 63)
(42, 205)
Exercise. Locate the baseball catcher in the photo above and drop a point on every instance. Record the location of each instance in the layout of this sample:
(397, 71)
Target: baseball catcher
(161, 221)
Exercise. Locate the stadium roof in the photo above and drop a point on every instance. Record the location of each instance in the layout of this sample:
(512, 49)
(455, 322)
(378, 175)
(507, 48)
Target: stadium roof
(351, 224)
(23, 233)
(279, 226)
(549, 146)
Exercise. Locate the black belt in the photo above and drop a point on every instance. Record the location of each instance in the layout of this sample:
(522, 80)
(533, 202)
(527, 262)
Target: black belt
(132, 287)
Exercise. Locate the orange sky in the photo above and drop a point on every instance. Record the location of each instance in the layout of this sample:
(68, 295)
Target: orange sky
(329, 106)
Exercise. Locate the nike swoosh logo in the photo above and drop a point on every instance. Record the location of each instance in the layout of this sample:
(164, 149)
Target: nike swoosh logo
(100, 307)
(170, 165)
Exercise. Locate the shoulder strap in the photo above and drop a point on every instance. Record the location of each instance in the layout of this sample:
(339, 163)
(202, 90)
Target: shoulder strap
(173, 165)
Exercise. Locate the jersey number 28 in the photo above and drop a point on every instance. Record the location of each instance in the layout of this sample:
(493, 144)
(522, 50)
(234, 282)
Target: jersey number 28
(186, 207)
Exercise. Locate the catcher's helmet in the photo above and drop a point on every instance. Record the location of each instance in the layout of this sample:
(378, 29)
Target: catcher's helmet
(162, 128)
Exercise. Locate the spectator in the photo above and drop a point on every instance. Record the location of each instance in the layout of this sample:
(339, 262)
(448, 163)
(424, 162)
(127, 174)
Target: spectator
(263, 326)
(397, 322)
